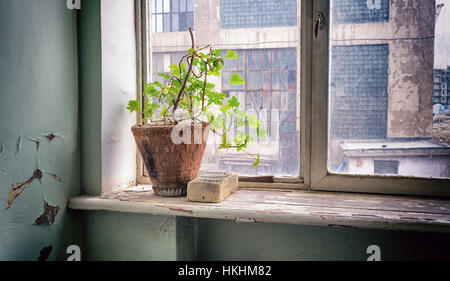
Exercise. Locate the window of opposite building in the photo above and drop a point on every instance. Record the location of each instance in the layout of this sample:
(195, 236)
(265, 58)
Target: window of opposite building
(383, 167)
(360, 11)
(359, 91)
(270, 92)
(172, 15)
(257, 13)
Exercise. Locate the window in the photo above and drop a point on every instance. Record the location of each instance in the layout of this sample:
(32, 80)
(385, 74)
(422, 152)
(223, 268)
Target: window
(381, 93)
(360, 11)
(257, 13)
(342, 160)
(358, 91)
(354, 103)
(268, 64)
(382, 167)
(270, 92)
(172, 15)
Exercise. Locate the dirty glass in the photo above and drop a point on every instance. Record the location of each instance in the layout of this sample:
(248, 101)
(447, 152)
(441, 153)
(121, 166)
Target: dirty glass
(265, 34)
(389, 88)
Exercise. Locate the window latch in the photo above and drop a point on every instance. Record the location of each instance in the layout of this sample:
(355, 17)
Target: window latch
(320, 23)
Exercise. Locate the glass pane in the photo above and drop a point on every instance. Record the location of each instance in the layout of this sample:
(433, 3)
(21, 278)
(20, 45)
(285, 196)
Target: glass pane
(159, 23)
(183, 22)
(389, 88)
(166, 18)
(182, 5)
(190, 20)
(175, 6)
(175, 18)
(271, 91)
(258, 13)
(190, 5)
(159, 6)
(166, 6)
(153, 24)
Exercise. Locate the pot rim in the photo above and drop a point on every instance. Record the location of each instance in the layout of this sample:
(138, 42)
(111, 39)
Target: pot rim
(146, 126)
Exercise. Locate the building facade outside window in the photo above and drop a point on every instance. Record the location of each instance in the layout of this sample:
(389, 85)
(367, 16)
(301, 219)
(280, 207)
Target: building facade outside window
(382, 91)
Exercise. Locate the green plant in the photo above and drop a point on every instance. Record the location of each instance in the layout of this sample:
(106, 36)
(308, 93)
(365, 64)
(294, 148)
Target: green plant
(187, 95)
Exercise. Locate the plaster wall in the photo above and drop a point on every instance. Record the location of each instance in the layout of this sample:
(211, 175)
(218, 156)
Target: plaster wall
(38, 96)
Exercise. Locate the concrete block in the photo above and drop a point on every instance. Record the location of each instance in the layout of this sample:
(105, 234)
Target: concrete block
(204, 190)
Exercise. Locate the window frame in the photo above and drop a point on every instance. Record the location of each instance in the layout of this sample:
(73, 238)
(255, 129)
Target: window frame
(314, 115)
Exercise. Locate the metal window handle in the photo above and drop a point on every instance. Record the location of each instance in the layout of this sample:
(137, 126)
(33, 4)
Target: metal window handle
(320, 23)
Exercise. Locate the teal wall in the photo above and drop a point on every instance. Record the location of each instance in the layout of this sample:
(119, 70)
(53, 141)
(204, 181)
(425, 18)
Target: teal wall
(38, 95)
(116, 236)
(227, 240)
(90, 73)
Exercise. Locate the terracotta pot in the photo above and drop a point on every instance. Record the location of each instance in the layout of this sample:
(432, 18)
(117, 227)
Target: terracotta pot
(170, 166)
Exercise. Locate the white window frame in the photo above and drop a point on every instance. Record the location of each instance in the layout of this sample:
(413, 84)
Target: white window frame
(314, 71)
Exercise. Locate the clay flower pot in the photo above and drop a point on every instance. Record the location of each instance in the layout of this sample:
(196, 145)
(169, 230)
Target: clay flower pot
(170, 165)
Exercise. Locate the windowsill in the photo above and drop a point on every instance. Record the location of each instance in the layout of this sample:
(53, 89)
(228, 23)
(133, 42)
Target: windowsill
(289, 207)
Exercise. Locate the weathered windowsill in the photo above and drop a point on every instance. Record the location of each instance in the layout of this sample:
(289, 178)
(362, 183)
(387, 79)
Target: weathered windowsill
(290, 207)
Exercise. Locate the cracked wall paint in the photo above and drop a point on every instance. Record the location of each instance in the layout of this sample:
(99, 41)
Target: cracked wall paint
(2, 149)
(18, 188)
(38, 107)
(45, 253)
(48, 217)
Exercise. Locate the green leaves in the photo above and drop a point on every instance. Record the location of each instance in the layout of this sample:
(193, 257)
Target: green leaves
(256, 164)
(187, 88)
(134, 105)
(236, 79)
(233, 102)
(231, 55)
(216, 98)
(176, 69)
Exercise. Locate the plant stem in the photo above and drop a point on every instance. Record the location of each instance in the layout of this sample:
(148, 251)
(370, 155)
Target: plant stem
(204, 87)
(175, 106)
